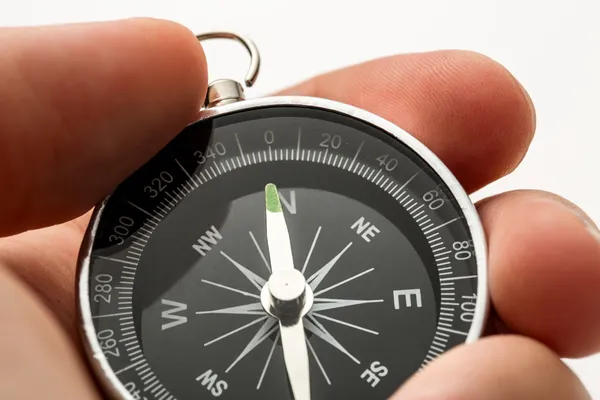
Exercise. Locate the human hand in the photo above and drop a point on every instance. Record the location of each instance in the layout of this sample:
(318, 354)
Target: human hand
(84, 105)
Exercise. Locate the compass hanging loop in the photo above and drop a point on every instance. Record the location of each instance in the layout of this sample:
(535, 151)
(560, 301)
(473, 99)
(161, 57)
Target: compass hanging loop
(224, 91)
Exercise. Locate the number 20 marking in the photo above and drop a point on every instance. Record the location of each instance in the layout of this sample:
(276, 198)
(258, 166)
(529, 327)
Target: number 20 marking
(331, 141)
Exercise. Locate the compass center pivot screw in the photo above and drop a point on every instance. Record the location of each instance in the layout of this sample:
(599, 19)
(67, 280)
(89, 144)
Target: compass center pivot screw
(288, 285)
(286, 296)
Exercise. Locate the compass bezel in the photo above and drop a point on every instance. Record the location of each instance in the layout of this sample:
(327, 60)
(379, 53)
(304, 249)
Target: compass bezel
(98, 362)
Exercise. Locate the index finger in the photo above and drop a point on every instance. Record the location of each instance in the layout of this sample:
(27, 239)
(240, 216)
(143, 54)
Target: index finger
(467, 108)
(83, 105)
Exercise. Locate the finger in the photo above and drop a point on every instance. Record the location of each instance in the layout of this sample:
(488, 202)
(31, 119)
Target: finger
(45, 259)
(466, 108)
(83, 106)
(36, 359)
(495, 368)
(544, 258)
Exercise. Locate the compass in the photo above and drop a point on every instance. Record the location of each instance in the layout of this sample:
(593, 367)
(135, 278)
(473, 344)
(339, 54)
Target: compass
(280, 248)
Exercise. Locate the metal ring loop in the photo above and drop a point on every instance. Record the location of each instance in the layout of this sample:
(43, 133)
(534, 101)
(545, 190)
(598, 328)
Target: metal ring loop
(252, 73)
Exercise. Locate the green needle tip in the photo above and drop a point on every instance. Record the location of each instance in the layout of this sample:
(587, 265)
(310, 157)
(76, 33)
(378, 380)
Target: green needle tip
(272, 198)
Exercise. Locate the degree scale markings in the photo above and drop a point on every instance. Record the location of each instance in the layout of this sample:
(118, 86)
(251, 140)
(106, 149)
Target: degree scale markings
(187, 173)
(379, 177)
(111, 315)
(323, 158)
(117, 260)
(458, 277)
(128, 340)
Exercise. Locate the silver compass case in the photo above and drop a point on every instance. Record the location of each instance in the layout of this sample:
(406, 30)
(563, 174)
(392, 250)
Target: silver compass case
(186, 267)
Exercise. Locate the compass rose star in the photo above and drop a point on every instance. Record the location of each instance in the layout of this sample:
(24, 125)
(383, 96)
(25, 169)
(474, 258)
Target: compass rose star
(268, 324)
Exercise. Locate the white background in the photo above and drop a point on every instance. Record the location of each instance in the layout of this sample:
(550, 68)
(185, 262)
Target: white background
(551, 46)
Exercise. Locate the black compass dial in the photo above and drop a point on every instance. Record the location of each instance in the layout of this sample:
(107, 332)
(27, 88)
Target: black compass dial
(180, 256)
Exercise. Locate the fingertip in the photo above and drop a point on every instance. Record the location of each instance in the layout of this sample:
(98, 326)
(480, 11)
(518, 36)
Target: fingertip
(544, 270)
(164, 53)
(182, 45)
(484, 105)
(98, 100)
(446, 99)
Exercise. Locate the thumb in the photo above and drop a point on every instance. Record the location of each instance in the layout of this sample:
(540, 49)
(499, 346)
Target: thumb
(495, 368)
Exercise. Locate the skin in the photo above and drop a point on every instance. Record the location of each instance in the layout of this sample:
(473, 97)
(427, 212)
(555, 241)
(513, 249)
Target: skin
(85, 98)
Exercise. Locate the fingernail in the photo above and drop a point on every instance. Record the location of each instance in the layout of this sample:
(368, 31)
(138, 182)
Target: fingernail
(591, 227)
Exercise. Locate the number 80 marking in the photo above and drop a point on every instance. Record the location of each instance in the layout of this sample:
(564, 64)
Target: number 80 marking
(462, 250)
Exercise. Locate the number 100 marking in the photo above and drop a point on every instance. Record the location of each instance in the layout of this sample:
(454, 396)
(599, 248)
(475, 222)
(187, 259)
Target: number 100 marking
(467, 307)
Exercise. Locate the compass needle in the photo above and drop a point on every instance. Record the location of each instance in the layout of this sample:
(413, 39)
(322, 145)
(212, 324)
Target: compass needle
(296, 359)
(285, 296)
(278, 238)
(278, 248)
